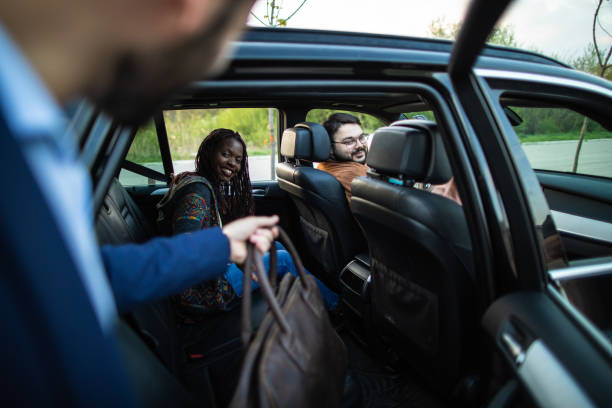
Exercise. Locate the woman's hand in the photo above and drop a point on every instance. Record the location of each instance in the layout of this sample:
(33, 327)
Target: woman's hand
(259, 231)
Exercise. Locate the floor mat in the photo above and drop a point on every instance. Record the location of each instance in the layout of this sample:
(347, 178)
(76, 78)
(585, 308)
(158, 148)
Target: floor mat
(382, 388)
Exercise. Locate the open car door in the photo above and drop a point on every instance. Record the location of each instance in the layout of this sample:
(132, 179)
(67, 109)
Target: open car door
(548, 318)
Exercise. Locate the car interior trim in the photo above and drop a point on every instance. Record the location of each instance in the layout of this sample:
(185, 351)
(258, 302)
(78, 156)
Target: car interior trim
(582, 226)
(95, 140)
(549, 238)
(326, 52)
(601, 340)
(602, 267)
(122, 139)
(549, 383)
(602, 88)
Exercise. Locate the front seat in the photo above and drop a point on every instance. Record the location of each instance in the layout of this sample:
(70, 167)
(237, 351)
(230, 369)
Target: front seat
(420, 250)
(330, 233)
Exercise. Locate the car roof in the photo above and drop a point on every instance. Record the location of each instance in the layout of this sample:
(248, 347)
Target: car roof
(287, 57)
(273, 39)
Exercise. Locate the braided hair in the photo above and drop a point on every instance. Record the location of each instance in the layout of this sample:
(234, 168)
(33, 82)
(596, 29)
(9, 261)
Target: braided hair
(235, 198)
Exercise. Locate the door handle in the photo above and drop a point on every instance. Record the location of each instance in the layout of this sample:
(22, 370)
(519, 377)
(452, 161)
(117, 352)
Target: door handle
(512, 346)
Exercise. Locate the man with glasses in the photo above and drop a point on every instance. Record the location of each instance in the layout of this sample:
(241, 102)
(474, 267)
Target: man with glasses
(349, 149)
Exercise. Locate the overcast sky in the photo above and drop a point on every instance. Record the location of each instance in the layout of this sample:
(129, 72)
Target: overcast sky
(560, 27)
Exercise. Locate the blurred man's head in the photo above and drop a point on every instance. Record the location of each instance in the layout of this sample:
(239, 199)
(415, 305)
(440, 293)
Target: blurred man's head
(348, 142)
(127, 56)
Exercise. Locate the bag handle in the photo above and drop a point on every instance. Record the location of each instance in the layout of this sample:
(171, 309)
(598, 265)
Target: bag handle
(255, 259)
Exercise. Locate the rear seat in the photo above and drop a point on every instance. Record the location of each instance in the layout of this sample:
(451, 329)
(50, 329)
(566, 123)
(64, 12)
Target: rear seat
(121, 221)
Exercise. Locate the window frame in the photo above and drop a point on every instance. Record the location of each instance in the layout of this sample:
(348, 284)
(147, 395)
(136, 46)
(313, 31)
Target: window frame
(579, 96)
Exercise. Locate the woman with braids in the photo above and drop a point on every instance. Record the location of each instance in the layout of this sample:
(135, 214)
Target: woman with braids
(218, 192)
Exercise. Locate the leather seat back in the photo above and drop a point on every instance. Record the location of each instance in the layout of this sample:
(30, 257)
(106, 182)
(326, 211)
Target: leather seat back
(120, 221)
(329, 231)
(420, 249)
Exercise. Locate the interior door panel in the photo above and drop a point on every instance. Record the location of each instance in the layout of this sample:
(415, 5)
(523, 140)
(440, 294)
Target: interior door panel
(547, 351)
(270, 199)
(587, 284)
(582, 209)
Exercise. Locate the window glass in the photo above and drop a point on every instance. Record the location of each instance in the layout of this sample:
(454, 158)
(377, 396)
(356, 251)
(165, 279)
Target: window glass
(187, 128)
(551, 140)
(429, 115)
(369, 123)
(144, 151)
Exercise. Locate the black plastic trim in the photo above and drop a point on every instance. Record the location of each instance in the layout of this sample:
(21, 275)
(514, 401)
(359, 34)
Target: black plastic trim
(144, 171)
(164, 147)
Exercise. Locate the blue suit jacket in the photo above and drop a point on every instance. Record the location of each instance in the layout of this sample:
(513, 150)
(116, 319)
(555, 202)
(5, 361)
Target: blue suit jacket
(161, 267)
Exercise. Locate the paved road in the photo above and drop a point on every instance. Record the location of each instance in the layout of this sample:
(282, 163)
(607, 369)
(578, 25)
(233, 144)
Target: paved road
(595, 158)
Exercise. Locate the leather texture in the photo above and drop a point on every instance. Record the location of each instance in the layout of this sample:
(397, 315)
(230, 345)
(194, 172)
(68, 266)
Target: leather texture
(330, 233)
(120, 221)
(422, 267)
(410, 149)
(306, 141)
(296, 359)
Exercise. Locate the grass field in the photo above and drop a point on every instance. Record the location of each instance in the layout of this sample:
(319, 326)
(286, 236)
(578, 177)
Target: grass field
(553, 137)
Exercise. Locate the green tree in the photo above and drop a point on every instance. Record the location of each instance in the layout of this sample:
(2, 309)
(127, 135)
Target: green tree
(272, 17)
(502, 35)
(602, 58)
(369, 123)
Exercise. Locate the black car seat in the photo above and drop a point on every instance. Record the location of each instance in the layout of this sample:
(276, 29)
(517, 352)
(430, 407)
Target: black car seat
(120, 221)
(329, 231)
(420, 249)
(203, 366)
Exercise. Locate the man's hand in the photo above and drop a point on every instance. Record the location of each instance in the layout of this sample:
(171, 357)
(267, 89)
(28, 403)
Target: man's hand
(258, 231)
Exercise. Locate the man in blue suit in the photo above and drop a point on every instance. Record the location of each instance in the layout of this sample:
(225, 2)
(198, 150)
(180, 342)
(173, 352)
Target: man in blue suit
(58, 294)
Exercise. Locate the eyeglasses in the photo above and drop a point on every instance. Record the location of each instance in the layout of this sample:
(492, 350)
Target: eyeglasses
(352, 141)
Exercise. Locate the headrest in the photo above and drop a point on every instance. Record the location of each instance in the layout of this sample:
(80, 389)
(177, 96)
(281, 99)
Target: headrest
(412, 149)
(306, 141)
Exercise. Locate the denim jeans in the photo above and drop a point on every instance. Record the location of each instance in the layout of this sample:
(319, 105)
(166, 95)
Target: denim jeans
(285, 265)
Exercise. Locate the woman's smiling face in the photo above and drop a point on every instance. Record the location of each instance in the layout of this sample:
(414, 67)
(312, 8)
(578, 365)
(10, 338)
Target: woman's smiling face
(228, 159)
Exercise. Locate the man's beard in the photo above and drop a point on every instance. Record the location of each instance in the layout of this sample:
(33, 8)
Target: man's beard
(356, 152)
(347, 157)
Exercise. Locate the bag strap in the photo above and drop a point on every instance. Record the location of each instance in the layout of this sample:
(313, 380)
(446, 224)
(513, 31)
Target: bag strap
(255, 260)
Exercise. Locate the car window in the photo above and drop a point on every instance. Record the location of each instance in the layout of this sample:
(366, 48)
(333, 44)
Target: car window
(369, 123)
(144, 151)
(429, 115)
(551, 140)
(187, 128)
(570, 147)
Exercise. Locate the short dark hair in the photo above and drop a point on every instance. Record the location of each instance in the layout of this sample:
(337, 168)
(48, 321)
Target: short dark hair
(335, 120)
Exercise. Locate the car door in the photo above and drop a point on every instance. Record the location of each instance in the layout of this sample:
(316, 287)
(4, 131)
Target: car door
(545, 326)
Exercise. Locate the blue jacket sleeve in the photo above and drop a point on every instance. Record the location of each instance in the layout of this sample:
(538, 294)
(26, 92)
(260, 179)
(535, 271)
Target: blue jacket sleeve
(142, 273)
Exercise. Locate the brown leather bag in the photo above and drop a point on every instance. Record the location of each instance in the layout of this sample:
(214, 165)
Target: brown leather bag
(296, 358)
